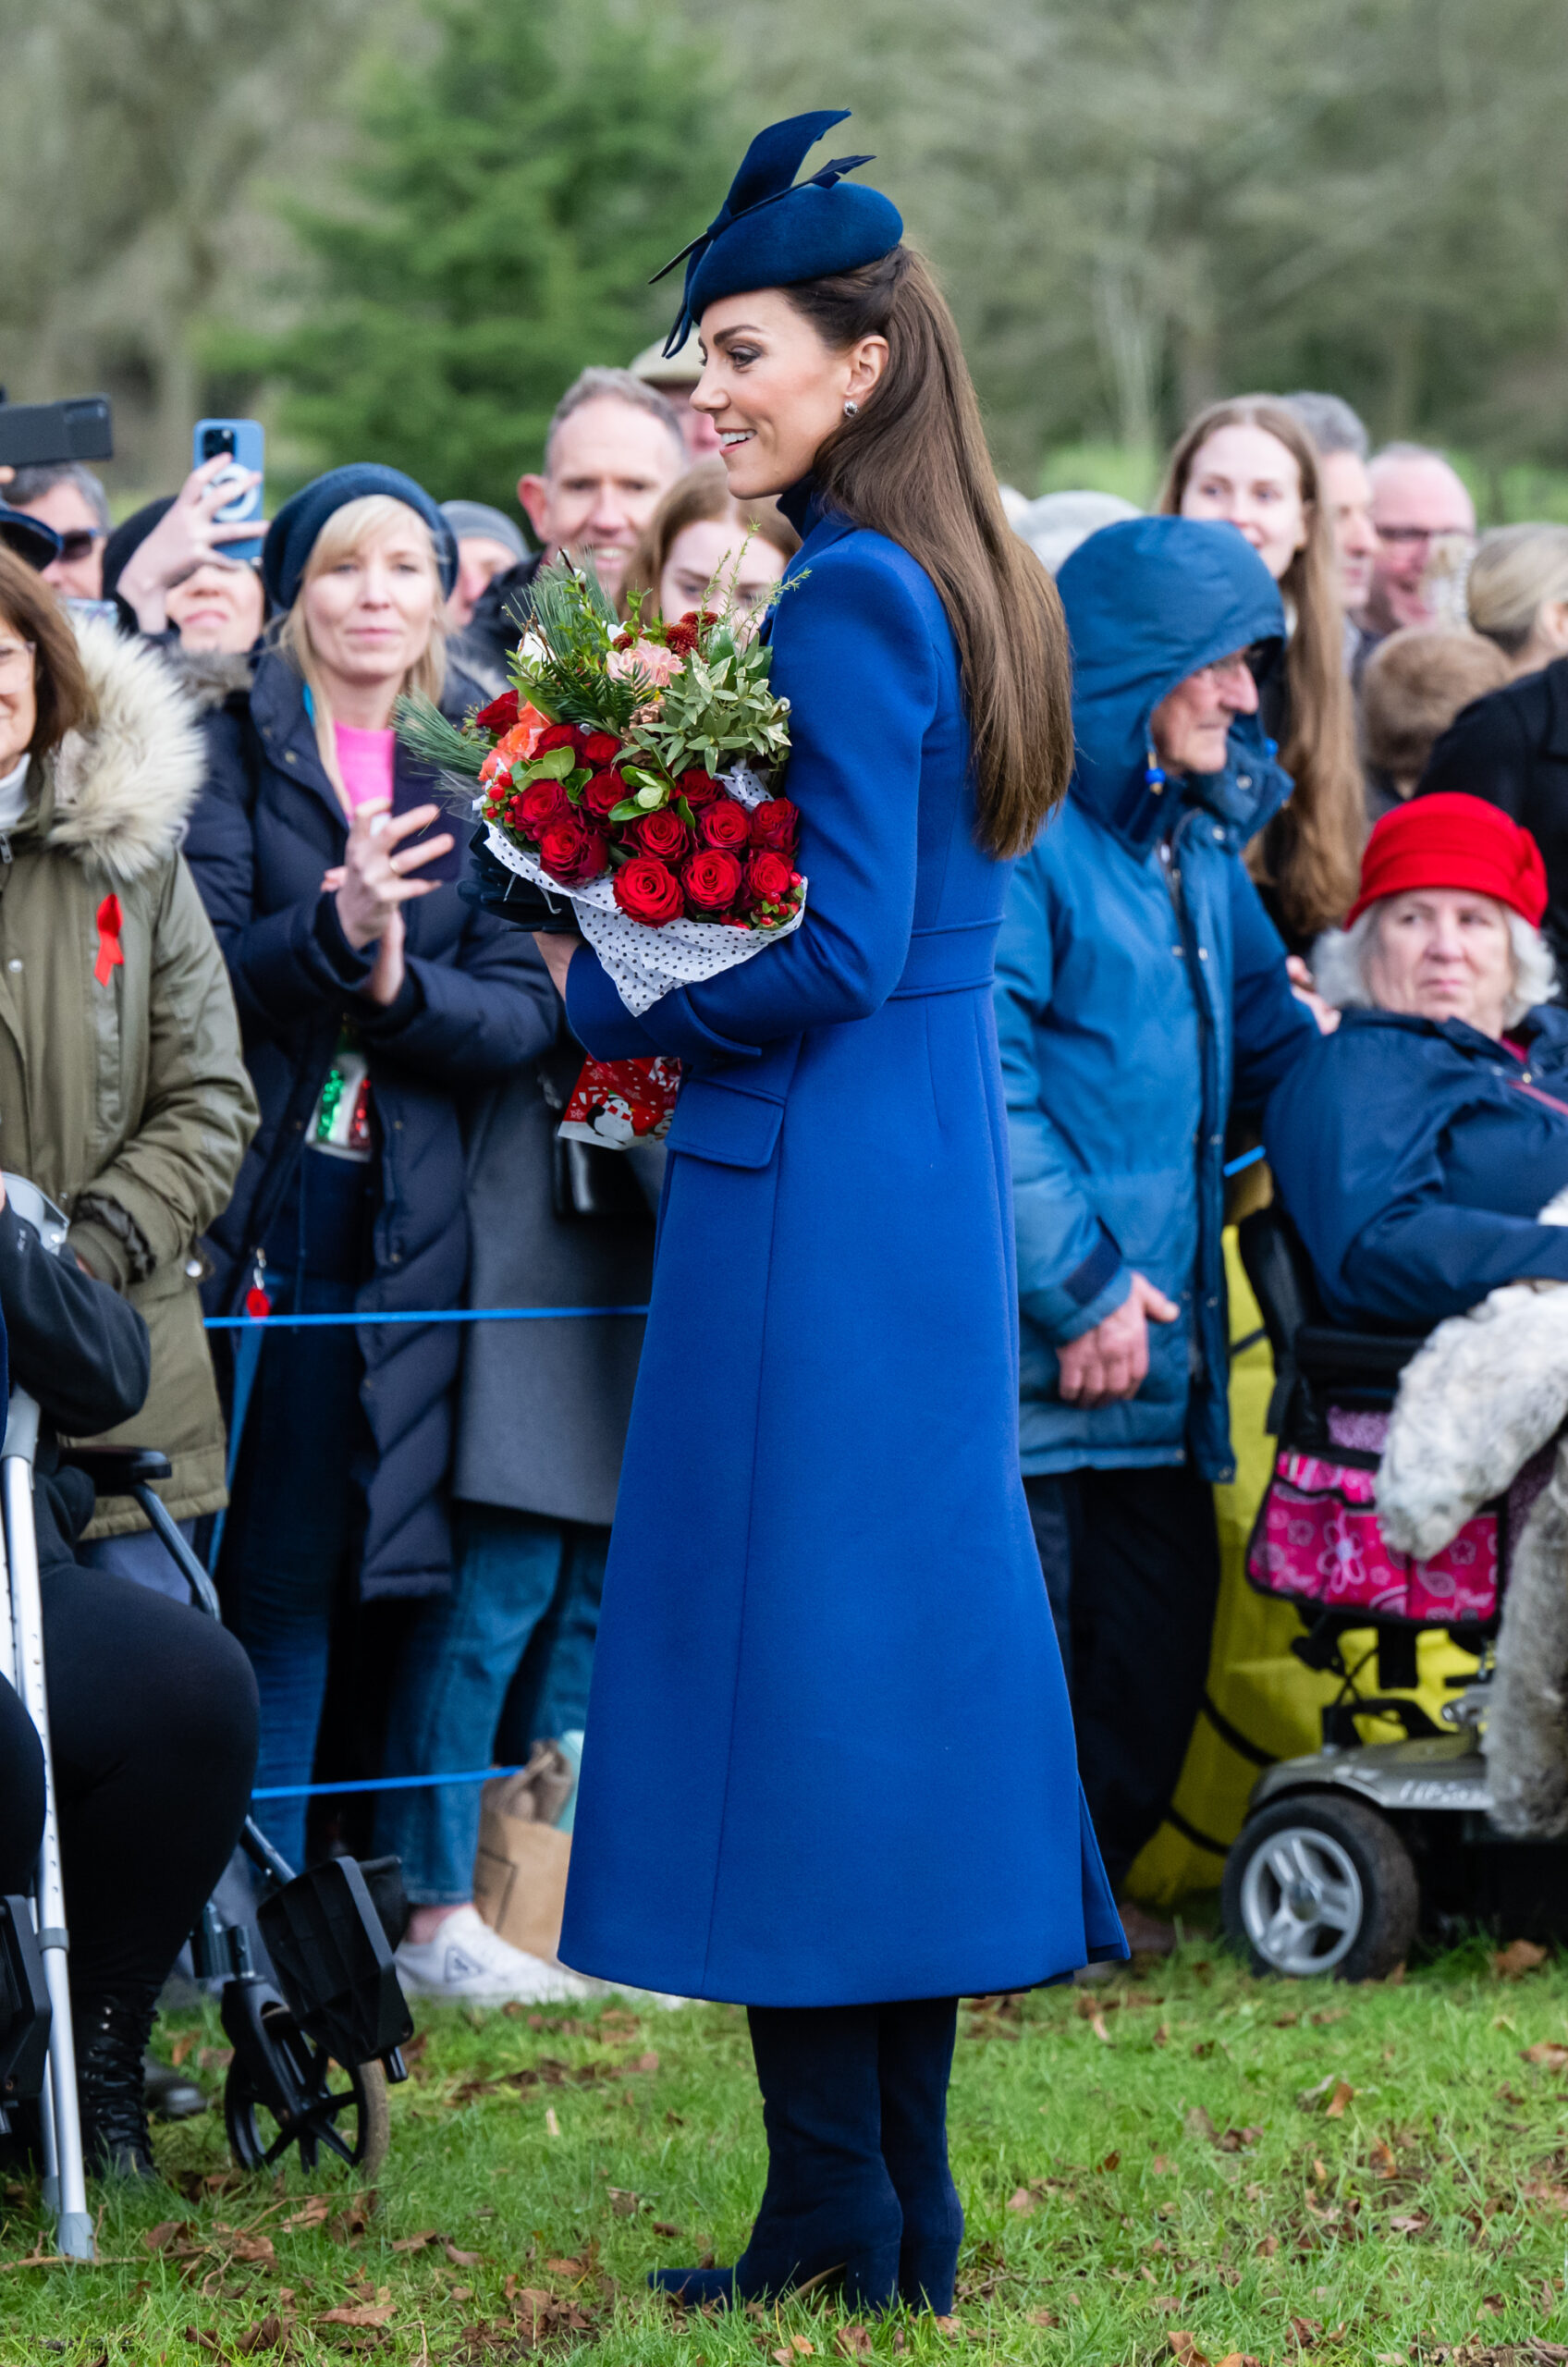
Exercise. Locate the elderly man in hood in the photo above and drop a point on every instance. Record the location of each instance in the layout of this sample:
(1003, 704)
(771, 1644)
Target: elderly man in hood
(1142, 993)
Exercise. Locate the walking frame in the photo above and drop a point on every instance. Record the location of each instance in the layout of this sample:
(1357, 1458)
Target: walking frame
(336, 1999)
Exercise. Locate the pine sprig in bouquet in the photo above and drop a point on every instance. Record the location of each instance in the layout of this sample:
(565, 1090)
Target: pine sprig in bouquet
(630, 768)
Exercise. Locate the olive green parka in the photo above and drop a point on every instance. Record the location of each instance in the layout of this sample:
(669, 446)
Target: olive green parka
(123, 1094)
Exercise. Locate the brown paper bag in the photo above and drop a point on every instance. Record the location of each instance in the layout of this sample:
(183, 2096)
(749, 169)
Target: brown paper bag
(521, 1865)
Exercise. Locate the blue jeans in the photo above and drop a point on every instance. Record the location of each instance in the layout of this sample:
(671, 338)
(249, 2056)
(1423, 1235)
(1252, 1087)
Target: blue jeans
(291, 1537)
(500, 1662)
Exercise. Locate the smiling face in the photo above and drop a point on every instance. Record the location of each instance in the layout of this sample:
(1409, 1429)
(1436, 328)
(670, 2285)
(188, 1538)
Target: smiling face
(711, 548)
(774, 391)
(609, 465)
(217, 606)
(18, 698)
(1347, 496)
(370, 611)
(1191, 726)
(1442, 953)
(1246, 476)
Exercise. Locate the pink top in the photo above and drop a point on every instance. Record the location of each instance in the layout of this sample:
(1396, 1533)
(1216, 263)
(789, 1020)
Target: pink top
(364, 759)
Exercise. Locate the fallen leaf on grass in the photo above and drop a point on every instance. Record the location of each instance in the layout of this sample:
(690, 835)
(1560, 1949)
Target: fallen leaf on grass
(464, 2260)
(1237, 2359)
(1550, 2051)
(666, 2228)
(312, 2210)
(623, 2202)
(1111, 2162)
(853, 2342)
(1043, 2318)
(269, 2334)
(408, 2243)
(1543, 2191)
(1269, 2247)
(1184, 2349)
(362, 2314)
(181, 2046)
(1304, 2331)
(1519, 1958)
(1410, 2223)
(552, 2126)
(1382, 2159)
(1198, 2124)
(946, 2325)
(1335, 2107)
(1160, 2166)
(1021, 2200)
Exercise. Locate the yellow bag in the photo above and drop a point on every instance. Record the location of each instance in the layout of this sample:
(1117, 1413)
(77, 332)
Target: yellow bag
(1262, 1704)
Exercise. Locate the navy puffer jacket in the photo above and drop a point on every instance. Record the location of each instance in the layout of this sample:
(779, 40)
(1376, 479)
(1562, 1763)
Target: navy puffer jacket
(476, 1006)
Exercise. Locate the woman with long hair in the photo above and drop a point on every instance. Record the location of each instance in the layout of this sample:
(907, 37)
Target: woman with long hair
(1251, 462)
(830, 1770)
(701, 536)
(371, 1001)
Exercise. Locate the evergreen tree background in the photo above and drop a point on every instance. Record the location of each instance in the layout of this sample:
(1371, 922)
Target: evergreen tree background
(397, 228)
(512, 198)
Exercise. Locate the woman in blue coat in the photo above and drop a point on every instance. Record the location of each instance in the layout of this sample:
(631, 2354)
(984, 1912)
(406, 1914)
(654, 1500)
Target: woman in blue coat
(830, 1769)
(1416, 1148)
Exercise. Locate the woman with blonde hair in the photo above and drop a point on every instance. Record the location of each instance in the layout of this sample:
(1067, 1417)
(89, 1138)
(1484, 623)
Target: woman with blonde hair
(1249, 461)
(370, 998)
(700, 534)
(1510, 747)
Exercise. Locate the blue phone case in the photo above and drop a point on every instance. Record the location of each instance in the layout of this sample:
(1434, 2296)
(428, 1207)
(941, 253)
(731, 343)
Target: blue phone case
(250, 453)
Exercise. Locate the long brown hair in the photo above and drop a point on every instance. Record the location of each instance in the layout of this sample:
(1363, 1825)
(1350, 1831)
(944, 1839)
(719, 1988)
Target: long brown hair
(913, 466)
(59, 682)
(702, 495)
(1310, 853)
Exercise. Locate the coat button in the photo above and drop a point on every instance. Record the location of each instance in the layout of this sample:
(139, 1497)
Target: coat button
(1244, 780)
(288, 755)
(1213, 1302)
(14, 963)
(1203, 953)
(1218, 831)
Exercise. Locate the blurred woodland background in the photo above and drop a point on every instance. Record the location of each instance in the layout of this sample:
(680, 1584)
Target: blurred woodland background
(396, 228)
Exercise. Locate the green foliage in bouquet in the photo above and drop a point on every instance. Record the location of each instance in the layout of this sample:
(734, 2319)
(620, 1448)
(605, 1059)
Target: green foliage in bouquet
(715, 710)
(561, 667)
(433, 741)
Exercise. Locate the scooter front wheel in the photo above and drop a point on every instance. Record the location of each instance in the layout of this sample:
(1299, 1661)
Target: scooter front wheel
(335, 2112)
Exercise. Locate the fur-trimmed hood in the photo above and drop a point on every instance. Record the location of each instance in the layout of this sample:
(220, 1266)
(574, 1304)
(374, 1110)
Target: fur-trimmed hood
(117, 795)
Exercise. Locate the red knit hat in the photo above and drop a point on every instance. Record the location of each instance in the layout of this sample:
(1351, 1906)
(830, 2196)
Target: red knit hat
(1451, 840)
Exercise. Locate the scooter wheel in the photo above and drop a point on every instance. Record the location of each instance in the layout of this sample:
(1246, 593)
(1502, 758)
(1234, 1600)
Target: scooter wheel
(1319, 1884)
(343, 2114)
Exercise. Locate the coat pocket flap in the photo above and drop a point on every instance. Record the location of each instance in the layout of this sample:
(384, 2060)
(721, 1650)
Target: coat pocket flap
(725, 1124)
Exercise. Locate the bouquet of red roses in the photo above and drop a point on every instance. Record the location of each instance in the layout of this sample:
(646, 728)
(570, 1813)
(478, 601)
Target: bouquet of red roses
(628, 768)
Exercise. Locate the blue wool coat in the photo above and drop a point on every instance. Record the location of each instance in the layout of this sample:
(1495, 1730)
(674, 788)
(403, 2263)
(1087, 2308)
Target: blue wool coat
(1414, 1157)
(830, 1756)
(1141, 990)
(475, 1007)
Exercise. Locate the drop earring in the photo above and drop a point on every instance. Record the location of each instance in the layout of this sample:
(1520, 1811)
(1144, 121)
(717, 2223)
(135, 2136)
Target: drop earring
(851, 411)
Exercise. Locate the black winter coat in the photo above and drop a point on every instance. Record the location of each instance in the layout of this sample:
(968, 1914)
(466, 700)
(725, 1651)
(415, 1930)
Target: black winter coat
(1511, 748)
(476, 1006)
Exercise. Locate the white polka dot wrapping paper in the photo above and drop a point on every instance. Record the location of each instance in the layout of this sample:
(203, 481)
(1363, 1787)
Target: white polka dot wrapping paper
(642, 963)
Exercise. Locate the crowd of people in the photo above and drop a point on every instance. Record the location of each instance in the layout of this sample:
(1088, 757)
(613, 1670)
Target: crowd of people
(264, 1054)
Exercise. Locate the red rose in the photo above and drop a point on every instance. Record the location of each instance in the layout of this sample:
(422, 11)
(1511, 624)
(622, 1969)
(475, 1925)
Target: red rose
(774, 824)
(768, 878)
(600, 748)
(572, 854)
(663, 835)
(539, 807)
(681, 638)
(603, 793)
(648, 892)
(559, 735)
(499, 716)
(700, 788)
(725, 823)
(712, 880)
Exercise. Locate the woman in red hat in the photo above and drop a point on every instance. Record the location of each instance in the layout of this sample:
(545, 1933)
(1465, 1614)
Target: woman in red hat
(1417, 1146)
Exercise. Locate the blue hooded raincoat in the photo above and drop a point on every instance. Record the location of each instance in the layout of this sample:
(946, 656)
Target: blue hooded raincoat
(1140, 989)
(829, 1758)
(1414, 1157)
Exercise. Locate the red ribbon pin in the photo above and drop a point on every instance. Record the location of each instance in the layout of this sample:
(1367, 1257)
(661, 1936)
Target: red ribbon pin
(109, 925)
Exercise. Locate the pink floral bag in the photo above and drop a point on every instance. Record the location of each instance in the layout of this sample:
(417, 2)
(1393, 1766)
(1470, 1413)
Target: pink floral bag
(1317, 1540)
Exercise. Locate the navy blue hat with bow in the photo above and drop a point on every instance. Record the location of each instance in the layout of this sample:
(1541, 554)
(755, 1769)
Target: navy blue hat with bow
(771, 232)
(291, 536)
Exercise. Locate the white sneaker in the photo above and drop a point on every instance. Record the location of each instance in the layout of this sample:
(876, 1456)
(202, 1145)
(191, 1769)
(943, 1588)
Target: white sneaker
(466, 1959)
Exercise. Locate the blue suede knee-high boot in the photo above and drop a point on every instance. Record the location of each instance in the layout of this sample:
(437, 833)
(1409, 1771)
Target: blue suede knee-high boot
(915, 2062)
(829, 2208)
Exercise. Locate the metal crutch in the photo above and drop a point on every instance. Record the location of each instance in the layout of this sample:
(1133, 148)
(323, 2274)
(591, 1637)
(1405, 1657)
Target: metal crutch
(65, 2182)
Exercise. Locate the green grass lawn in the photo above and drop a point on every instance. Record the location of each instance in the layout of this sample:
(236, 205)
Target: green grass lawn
(1183, 2163)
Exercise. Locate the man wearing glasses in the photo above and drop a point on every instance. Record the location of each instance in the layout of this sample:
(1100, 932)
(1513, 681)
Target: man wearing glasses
(1425, 527)
(72, 500)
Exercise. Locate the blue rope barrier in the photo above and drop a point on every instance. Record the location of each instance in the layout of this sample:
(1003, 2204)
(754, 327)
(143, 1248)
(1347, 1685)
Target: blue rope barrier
(380, 1784)
(415, 1315)
(1247, 1159)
